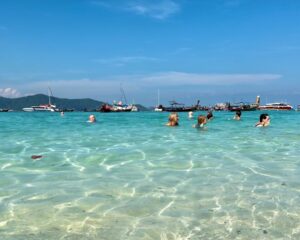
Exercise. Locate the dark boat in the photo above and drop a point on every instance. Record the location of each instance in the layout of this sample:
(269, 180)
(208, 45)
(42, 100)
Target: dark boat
(242, 107)
(4, 110)
(179, 107)
(66, 110)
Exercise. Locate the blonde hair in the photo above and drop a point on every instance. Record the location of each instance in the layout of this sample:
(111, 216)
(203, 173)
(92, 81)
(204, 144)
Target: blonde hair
(173, 119)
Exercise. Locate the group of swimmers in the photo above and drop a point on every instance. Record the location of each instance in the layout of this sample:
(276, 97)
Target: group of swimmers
(264, 119)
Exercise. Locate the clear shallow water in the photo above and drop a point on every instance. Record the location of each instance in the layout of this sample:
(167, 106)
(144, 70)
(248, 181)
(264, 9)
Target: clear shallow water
(130, 177)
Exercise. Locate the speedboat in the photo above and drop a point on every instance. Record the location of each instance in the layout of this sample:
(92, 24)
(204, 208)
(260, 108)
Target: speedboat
(276, 106)
(41, 108)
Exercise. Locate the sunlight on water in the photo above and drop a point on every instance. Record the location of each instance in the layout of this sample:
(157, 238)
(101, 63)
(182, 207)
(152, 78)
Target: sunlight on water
(130, 177)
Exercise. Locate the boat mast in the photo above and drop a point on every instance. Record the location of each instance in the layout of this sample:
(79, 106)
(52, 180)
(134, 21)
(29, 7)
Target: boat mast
(123, 94)
(158, 100)
(49, 95)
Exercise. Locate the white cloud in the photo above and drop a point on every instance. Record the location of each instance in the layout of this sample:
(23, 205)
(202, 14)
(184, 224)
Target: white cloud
(158, 9)
(155, 9)
(121, 61)
(9, 92)
(183, 78)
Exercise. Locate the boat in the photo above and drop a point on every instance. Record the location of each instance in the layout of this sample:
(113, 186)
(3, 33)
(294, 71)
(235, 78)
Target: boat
(179, 107)
(119, 106)
(43, 107)
(242, 106)
(298, 108)
(159, 107)
(116, 107)
(221, 107)
(279, 106)
(4, 109)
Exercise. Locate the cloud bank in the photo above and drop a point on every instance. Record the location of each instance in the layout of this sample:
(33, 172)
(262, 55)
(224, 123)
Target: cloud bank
(9, 93)
(183, 78)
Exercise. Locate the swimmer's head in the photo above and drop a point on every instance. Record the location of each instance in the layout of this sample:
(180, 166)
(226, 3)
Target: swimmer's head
(264, 118)
(173, 119)
(201, 120)
(92, 118)
(209, 115)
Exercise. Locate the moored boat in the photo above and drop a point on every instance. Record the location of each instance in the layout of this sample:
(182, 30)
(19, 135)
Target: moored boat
(242, 107)
(118, 107)
(43, 107)
(276, 106)
(178, 107)
(4, 109)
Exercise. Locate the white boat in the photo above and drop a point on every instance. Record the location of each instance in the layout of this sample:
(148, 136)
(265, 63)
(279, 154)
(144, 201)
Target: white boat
(43, 107)
(159, 107)
(134, 108)
(276, 106)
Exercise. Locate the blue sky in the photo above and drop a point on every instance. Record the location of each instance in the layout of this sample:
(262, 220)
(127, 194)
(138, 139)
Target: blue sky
(212, 50)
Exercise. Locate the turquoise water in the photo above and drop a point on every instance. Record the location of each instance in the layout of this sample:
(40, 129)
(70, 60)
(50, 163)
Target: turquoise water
(130, 177)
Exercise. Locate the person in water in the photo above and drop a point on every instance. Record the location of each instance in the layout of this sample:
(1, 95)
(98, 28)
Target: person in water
(92, 118)
(209, 116)
(173, 120)
(238, 115)
(191, 114)
(201, 121)
(264, 120)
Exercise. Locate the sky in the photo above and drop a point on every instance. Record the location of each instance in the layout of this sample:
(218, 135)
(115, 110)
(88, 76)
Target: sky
(212, 50)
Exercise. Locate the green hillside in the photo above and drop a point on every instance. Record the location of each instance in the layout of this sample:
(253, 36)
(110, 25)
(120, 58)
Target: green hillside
(87, 104)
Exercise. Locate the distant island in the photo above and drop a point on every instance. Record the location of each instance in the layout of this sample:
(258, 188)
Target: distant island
(85, 104)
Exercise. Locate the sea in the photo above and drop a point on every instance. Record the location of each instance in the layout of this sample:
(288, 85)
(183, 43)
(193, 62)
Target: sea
(130, 177)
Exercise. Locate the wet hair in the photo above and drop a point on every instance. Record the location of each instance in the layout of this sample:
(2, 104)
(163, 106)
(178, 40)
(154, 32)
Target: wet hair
(201, 119)
(209, 115)
(238, 113)
(263, 116)
(173, 118)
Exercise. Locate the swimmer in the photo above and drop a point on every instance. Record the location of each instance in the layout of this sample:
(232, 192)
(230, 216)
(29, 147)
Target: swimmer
(264, 120)
(209, 116)
(191, 114)
(201, 122)
(92, 118)
(173, 120)
(62, 113)
(238, 115)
